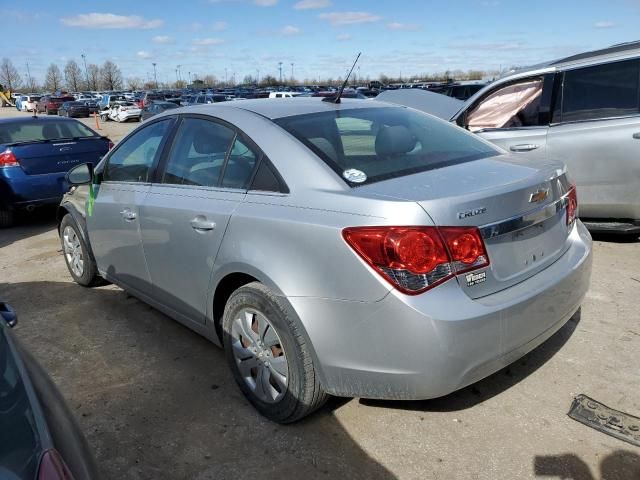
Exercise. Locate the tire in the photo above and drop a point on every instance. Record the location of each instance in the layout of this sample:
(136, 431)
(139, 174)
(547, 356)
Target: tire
(6, 217)
(282, 338)
(87, 273)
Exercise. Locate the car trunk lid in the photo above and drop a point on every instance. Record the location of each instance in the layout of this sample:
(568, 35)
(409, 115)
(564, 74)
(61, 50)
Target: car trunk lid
(55, 156)
(518, 206)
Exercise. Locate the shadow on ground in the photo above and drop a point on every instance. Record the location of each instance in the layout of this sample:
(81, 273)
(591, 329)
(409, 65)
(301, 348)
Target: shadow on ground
(615, 238)
(619, 465)
(157, 401)
(494, 384)
(28, 224)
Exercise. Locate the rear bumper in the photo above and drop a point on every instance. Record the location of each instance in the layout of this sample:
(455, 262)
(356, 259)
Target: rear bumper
(17, 189)
(427, 346)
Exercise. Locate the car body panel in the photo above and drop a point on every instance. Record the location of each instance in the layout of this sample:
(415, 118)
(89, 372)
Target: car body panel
(34, 417)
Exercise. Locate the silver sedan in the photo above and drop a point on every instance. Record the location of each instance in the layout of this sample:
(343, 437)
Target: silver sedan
(355, 249)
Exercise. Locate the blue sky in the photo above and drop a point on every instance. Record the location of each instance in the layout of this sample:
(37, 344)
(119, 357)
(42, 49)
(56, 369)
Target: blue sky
(320, 37)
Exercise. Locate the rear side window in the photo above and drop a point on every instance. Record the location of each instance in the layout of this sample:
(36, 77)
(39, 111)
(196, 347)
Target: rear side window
(242, 160)
(134, 158)
(198, 154)
(601, 91)
(366, 145)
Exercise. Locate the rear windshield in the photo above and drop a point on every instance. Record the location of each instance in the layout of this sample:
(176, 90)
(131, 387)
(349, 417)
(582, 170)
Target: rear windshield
(366, 145)
(38, 131)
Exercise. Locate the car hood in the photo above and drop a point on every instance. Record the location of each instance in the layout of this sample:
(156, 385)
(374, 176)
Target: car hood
(436, 104)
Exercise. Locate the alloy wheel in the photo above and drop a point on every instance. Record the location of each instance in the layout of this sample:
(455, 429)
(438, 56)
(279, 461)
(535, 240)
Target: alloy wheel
(73, 251)
(259, 355)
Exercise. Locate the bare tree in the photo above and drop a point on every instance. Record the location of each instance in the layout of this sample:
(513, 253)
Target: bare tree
(179, 84)
(111, 76)
(210, 80)
(73, 76)
(9, 76)
(53, 78)
(134, 83)
(93, 74)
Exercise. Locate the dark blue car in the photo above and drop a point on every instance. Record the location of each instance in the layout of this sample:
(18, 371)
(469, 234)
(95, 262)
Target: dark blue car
(39, 436)
(35, 154)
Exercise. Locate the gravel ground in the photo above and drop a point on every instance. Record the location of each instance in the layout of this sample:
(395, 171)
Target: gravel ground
(156, 401)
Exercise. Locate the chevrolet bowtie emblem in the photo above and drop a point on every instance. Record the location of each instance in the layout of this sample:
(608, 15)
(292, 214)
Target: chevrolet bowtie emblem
(539, 196)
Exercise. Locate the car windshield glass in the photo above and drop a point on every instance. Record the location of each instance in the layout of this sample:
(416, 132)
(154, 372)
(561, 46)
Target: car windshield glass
(41, 131)
(366, 145)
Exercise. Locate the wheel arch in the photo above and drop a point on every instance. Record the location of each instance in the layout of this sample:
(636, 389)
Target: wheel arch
(237, 275)
(68, 208)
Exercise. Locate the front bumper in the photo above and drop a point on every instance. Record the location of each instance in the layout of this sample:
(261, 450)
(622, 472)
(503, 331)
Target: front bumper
(405, 347)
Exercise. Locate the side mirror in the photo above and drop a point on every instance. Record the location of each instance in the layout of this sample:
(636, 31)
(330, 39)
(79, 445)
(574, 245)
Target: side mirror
(8, 314)
(80, 174)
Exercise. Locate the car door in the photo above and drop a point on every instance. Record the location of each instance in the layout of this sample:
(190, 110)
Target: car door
(186, 212)
(514, 115)
(113, 218)
(596, 131)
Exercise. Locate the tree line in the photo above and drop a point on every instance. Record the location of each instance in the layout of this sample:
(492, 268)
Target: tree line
(108, 76)
(71, 77)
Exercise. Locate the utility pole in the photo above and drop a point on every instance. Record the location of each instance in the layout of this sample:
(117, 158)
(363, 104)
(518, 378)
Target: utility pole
(291, 72)
(86, 72)
(226, 83)
(280, 67)
(29, 76)
(190, 82)
(178, 70)
(258, 77)
(155, 76)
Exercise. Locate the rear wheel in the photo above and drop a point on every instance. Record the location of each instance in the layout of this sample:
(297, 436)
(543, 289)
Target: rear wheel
(270, 359)
(6, 217)
(80, 262)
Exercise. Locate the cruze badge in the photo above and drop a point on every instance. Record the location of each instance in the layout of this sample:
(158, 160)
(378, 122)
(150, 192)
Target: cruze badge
(539, 196)
(471, 213)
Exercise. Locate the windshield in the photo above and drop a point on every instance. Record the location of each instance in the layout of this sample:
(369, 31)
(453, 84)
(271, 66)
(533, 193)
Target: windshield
(366, 145)
(35, 131)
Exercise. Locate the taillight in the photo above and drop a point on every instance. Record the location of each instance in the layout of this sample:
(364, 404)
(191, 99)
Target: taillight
(415, 259)
(52, 467)
(8, 159)
(572, 205)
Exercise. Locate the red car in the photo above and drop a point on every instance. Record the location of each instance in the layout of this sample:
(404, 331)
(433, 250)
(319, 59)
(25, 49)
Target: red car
(50, 104)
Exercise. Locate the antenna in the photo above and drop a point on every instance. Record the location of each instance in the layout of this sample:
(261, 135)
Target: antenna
(336, 99)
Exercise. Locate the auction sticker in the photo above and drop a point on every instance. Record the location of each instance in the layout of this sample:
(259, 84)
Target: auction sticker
(475, 278)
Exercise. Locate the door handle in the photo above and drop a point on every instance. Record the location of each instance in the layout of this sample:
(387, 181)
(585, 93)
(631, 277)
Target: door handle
(128, 215)
(527, 147)
(636, 136)
(201, 224)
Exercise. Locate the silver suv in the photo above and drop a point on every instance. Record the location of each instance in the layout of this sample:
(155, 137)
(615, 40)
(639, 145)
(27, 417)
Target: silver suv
(583, 110)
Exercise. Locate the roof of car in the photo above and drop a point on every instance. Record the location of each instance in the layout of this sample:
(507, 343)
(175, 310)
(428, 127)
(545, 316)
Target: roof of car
(619, 51)
(274, 108)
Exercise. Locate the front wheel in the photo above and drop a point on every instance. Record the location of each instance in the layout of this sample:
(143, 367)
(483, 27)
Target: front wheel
(270, 359)
(80, 262)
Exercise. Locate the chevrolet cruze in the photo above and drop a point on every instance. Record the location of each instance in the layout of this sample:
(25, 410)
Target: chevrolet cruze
(355, 249)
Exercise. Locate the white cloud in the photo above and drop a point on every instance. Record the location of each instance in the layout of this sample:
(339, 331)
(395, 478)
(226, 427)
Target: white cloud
(604, 24)
(349, 18)
(162, 39)
(289, 30)
(219, 26)
(311, 4)
(143, 54)
(343, 37)
(265, 3)
(110, 20)
(404, 27)
(205, 42)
